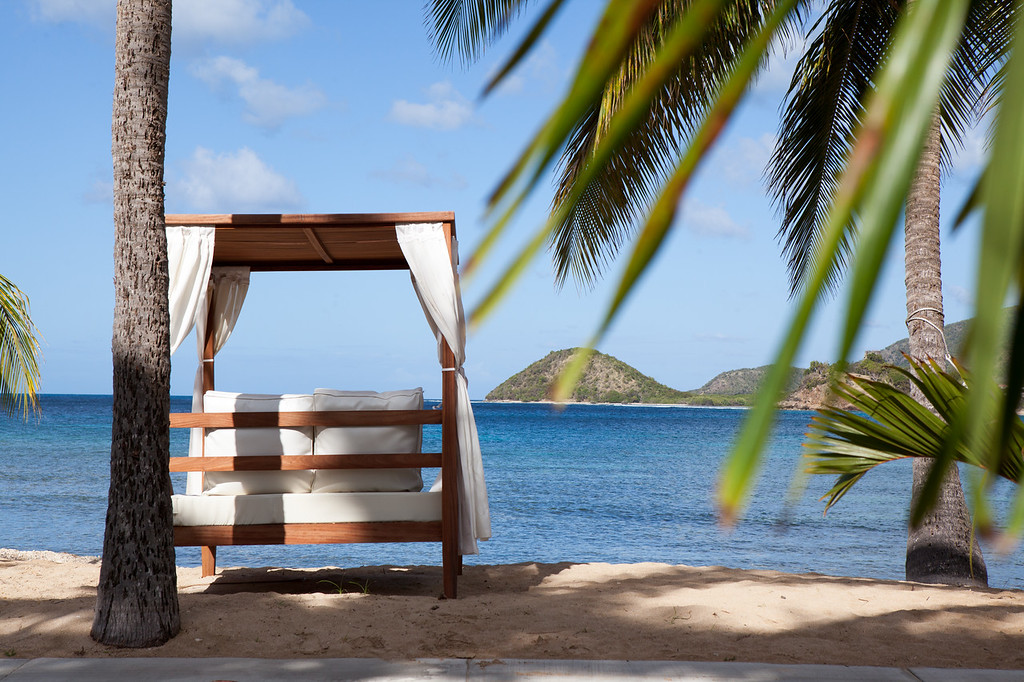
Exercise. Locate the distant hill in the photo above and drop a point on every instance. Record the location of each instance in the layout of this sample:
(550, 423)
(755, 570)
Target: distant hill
(956, 335)
(609, 380)
(743, 381)
(605, 380)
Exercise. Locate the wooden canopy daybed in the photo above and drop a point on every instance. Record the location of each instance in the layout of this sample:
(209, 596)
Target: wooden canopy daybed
(304, 473)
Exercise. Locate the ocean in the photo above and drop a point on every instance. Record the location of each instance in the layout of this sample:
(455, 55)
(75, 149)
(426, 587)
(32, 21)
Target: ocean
(590, 483)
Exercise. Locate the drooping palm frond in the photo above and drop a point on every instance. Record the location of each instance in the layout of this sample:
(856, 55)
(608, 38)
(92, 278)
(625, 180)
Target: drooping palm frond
(466, 27)
(19, 352)
(825, 106)
(606, 215)
(823, 109)
(1000, 269)
(886, 424)
(898, 117)
(972, 83)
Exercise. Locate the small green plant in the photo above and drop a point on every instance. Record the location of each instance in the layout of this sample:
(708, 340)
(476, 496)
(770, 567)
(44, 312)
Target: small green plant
(10, 653)
(361, 587)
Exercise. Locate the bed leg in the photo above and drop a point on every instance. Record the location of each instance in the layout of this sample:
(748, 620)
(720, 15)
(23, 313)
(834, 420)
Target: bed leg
(450, 581)
(209, 561)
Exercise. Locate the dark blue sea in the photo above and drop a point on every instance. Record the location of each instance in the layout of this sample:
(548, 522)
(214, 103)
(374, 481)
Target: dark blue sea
(590, 483)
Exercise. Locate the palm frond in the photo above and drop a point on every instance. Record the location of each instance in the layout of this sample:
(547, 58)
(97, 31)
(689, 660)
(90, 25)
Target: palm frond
(825, 105)
(999, 270)
(823, 109)
(971, 84)
(886, 424)
(466, 27)
(19, 352)
(879, 169)
(609, 209)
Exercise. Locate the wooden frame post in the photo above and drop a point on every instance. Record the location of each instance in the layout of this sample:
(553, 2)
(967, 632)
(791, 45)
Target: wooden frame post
(450, 552)
(209, 553)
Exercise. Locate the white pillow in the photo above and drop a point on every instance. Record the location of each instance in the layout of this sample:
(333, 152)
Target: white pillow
(352, 440)
(258, 441)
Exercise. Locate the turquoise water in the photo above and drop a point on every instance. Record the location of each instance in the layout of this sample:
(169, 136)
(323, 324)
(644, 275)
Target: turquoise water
(591, 483)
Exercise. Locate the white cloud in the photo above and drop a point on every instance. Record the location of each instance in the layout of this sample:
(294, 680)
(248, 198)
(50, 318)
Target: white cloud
(960, 295)
(743, 160)
(269, 104)
(446, 109)
(236, 182)
(717, 337)
(778, 73)
(100, 192)
(409, 171)
(975, 150)
(711, 220)
(95, 12)
(232, 22)
(237, 22)
(540, 66)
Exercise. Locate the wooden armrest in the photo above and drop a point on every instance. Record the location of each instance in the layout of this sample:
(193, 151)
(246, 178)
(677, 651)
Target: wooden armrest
(210, 420)
(300, 462)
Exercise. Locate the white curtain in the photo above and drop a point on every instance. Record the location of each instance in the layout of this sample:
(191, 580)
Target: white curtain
(194, 288)
(437, 286)
(225, 294)
(189, 257)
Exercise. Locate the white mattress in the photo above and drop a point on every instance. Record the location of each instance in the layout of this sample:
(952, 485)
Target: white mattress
(244, 510)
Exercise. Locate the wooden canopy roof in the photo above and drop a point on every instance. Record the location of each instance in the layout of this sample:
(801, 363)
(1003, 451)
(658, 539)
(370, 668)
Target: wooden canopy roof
(318, 241)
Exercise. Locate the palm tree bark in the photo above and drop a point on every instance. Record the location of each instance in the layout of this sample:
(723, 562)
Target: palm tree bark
(137, 599)
(941, 548)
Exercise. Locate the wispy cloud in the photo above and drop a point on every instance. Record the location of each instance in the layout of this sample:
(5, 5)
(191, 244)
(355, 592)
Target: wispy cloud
(541, 66)
(101, 191)
(975, 150)
(93, 12)
(237, 22)
(269, 104)
(408, 171)
(446, 109)
(960, 295)
(778, 73)
(744, 159)
(230, 22)
(719, 338)
(232, 182)
(713, 221)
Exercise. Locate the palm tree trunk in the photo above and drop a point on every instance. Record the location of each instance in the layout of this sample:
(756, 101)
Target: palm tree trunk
(137, 599)
(941, 549)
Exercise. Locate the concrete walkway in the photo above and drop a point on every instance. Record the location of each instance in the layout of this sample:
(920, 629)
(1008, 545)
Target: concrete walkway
(244, 669)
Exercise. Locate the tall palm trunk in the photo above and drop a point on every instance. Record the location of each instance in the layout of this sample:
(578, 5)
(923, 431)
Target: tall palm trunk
(940, 549)
(137, 600)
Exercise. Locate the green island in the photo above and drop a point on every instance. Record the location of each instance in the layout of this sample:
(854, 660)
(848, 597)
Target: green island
(610, 380)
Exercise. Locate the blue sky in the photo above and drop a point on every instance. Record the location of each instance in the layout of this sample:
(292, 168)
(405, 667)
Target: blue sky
(341, 107)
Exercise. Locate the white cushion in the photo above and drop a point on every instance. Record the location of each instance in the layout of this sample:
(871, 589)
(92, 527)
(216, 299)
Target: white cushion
(341, 440)
(257, 441)
(203, 510)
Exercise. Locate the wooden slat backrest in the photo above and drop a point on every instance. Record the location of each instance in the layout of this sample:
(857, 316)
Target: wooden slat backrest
(396, 460)
(227, 420)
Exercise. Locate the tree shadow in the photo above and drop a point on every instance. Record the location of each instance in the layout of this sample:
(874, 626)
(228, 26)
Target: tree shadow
(554, 611)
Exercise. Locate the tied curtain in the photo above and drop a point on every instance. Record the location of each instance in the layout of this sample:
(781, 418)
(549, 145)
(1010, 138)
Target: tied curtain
(200, 294)
(437, 285)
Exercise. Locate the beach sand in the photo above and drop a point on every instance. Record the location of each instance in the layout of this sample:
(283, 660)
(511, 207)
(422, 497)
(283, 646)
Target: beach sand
(558, 611)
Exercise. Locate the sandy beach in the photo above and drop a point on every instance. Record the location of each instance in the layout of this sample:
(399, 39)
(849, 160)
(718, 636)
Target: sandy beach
(560, 611)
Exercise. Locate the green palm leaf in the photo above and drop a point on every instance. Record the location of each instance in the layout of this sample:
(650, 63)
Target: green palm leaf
(466, 27)
(825, 106)
(19, 352)
(878, 172)
(608, 210)
(886, 424)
